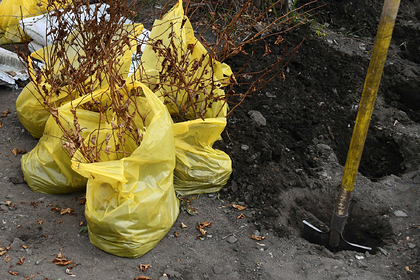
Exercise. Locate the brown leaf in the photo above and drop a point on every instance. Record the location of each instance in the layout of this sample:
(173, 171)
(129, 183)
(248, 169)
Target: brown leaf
(60, 221)
(22, 152)
(7, 258)
(1, 124)
(201, 227)
(14, 273)
(24, 247)
(68, 271)
(267, 50)
(8, 202)
(143, 267)
(176, 234)
(258, 238)
(15, 151)
(279, 40)
(239, 207)
(5, 113)
(182, 225)
(61, 260)
(2, 251)
(20, 262)
(55, 209)
(66, 211)
(242, 216)
(142, 278)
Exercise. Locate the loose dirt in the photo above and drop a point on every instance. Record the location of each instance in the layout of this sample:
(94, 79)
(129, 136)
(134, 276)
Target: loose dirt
(284, 172)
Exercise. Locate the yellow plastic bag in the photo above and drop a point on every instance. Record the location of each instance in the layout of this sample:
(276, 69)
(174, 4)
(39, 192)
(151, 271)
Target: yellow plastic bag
(131, 203)
(47, 168)
(200, 168)
(29, 106)
(11, 11)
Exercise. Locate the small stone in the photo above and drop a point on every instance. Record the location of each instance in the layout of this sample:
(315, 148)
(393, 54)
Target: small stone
(16, 244)
(172, 273)
(28, 251)
(256, 233)
(367, 254)
(270, 95)
(234, 187)
(232, 239)
(362, 264)
(323, 147)
(244, 147)
(250, 188)
(359, 257)
(330, 41)
(217, 269)
(400, 213)
(4, 208)
(257, 117)
(383, 251)
(411, 245)
(247, 198)
(10, 196)
(163, 278)
(16, 180)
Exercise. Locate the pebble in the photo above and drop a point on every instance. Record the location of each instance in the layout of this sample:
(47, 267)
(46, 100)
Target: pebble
(232, 239)
(10, 196)
(16, 244)
(4, 207)
(270, 95)
(383, 251)
(359, 257)
(411, 245)
(163, 278)
(400, 213)
(247, 198)
(217, 269)
(172, 273)
(257, 233)
(244, 147)
(257, 117)
(29, 251)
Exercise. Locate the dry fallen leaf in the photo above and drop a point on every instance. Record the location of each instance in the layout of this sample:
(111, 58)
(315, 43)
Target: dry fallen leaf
(20, 262)
(15, 151)
(201, 227)
(239, 207)
(40, 222)
(182, 225)
(176, 234)
(2, 251)
(22, 151)
(61, 260)
(258, 238)
(1, 124)
(8, 202)
(60, 221)
(7, 258)
(143, 267)
(55, 209)
(242, 216)
(66, 211)
(14, 273)
(408, 269)
(24, 247)
(5, 113)
(68, 271)
(142, 278)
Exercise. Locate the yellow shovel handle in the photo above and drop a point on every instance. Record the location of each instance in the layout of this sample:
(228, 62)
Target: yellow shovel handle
(370, 90)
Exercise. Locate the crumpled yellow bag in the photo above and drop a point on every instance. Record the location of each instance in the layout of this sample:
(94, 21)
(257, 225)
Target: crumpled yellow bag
(47, 168)
(199, 168)
(29, 106)
(11, 11)
(131, 203)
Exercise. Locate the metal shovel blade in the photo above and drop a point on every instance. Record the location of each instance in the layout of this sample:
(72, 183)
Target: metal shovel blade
(316, 236)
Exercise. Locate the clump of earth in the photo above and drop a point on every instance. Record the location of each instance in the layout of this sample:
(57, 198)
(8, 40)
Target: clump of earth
(288, 144)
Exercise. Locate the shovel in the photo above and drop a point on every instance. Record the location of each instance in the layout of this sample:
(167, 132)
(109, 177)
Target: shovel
(333, 240)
